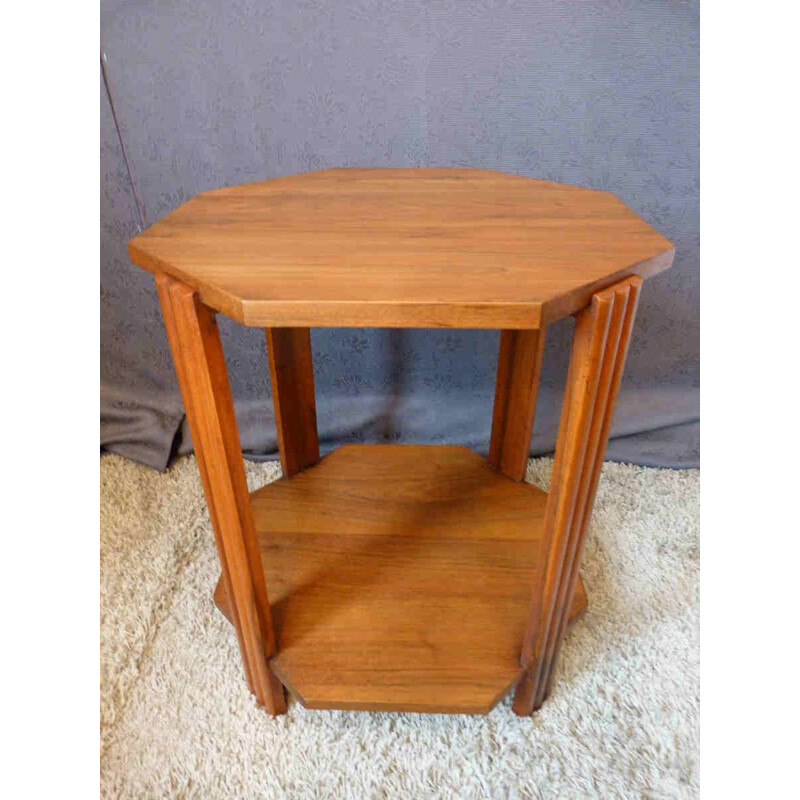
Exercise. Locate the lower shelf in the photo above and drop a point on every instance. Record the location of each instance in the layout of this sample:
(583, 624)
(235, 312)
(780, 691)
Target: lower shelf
(399, 578)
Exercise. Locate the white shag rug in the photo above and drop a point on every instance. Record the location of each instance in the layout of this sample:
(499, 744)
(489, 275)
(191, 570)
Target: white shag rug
(177, 719)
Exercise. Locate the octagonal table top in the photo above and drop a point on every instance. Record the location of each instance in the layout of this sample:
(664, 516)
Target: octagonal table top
(465, 248)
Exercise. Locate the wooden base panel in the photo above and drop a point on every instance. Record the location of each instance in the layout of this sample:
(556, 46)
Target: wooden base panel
(399, 578)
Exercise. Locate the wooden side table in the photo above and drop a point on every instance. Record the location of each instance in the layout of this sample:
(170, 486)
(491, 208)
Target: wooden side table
(418, 578)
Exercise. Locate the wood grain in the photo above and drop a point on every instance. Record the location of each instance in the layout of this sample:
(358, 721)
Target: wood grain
(200, 365)
(401, 575)
(401, 248)
(291, 372)
(400, 578)
(519, 366)
(626, 298)
(595, 365)
(163, 284)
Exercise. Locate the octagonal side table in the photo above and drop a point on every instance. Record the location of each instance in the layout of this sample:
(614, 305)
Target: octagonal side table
(401, 577)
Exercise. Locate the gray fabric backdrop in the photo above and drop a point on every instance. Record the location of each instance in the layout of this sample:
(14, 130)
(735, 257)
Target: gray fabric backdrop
(201, 94)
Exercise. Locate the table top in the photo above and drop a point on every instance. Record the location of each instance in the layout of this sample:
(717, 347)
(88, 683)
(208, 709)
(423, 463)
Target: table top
(465, 248)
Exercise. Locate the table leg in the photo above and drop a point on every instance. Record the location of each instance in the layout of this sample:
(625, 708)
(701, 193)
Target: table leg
(291, 373)
(602, 335)
(200, 365)
(519, 365)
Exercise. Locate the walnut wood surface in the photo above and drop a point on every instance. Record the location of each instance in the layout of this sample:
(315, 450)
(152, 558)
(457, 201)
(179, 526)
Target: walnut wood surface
(401, 248)
(200, 365)
(519, 366)
(625, 299)
(291, 372)
(399, 577)
(602, 334)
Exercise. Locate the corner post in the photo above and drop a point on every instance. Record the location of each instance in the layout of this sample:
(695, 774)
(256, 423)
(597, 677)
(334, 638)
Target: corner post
(200, 364)
(291, 373)
(602, 335)
(519, 366)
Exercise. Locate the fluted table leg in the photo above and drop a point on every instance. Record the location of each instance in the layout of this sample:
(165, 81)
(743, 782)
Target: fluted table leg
(602, 334)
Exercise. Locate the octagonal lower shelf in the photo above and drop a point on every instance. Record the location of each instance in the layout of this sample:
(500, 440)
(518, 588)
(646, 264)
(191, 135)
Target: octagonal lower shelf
(399, 578)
